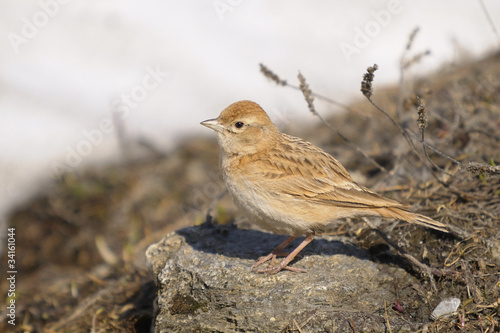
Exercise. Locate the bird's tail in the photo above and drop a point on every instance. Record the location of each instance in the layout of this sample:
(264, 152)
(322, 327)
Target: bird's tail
(412, 217)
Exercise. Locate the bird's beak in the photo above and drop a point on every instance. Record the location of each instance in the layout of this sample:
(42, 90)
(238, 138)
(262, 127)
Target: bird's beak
(213, 124)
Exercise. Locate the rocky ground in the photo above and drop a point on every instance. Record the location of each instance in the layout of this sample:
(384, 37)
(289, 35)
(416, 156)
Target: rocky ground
(81, 246)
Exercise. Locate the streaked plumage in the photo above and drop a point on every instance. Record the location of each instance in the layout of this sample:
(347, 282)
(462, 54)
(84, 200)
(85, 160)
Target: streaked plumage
(288, 185)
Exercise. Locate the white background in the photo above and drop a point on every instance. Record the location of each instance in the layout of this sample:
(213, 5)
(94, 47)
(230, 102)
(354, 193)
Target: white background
(63, 62)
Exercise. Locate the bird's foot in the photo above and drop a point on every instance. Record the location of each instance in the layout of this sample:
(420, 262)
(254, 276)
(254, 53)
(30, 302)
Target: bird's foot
(271, 256)
(273, 269)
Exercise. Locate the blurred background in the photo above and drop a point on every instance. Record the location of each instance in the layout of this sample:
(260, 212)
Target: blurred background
(79, 77)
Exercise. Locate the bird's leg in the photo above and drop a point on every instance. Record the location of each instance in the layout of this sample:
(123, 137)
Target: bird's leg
(276, 252)
(283, 265)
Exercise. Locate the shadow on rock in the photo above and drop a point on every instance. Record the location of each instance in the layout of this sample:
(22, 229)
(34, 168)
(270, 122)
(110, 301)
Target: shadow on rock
(230, 241)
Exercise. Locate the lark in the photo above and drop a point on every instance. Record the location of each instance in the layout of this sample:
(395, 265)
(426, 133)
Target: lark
(289, 186)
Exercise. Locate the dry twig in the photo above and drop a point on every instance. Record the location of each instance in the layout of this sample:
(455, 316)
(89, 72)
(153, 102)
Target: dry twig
(494, 28)
(275, 78)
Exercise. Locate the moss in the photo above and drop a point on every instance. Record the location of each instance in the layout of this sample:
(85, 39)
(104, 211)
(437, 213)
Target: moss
(184, 304)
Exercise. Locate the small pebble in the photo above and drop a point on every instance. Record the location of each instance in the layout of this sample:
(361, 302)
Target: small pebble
(445, 308)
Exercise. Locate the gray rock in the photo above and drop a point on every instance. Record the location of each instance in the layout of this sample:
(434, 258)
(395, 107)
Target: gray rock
(205, 285)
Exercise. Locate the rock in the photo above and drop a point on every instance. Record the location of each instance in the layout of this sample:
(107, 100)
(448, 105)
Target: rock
(205, 285)
(445, 308)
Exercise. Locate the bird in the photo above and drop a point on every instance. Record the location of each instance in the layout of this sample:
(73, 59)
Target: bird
(289, 186)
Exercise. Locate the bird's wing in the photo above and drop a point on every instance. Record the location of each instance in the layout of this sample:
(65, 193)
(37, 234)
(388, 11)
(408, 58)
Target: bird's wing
(304, 171)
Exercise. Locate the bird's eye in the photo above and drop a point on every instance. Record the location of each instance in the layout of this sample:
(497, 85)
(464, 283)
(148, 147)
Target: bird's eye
(239, 124)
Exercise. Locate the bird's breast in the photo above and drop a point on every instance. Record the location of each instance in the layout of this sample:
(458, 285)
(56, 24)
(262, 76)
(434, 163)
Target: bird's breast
(261, 204)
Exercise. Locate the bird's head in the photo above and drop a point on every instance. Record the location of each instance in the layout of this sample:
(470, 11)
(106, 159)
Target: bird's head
(243, 128)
